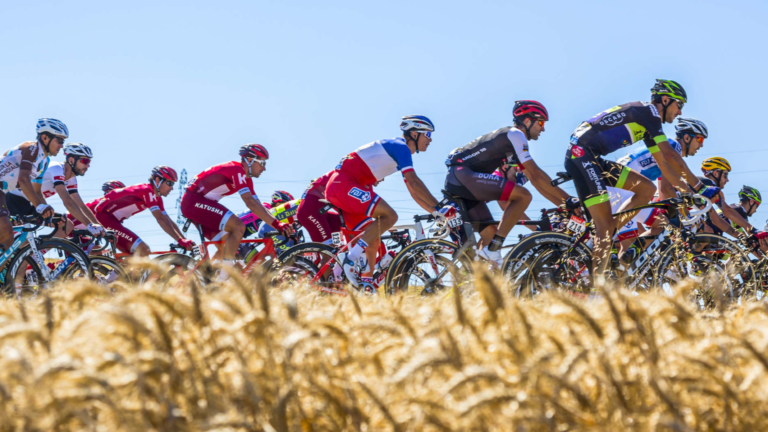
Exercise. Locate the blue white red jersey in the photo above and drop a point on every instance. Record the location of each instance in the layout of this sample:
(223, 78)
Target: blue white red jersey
(643, 162)
(373, 162)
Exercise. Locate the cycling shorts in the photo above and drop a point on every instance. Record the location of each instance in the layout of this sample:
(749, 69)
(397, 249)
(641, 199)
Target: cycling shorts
(356, 202)
(19, 206)
(127, 240)
(592, 175)
(319, 226)
(209, 214)
(476, 189)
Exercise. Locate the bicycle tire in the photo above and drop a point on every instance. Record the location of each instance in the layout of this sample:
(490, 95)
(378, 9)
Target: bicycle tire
(551, 271)
(22, 261)
(407, 262)
(738, 277)
(518, 261)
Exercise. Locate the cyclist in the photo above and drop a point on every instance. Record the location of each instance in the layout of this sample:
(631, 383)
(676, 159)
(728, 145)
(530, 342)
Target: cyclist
(611, 130)
(200, 202)
(25, 162)
(61, 179)
(470, 175)
(283, 208)
(690, 135)
(350, 188)
(716, 172)
(320, 226)
(106, 187)
(120, 204)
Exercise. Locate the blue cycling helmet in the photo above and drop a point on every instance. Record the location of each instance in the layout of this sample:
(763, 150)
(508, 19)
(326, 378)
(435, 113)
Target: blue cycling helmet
(52, 126)
(417, 123)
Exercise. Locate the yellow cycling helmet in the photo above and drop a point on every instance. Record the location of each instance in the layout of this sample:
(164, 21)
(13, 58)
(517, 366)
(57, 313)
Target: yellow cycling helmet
(715, 163)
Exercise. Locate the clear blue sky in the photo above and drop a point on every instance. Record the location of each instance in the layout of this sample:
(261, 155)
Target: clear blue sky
(187, 83)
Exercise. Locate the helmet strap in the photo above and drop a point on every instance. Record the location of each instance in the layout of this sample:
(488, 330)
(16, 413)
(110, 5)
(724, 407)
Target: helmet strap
(527, 129)
(72, 165)
(686, 145)
(44, 145)
(664, 111)
(156, 183)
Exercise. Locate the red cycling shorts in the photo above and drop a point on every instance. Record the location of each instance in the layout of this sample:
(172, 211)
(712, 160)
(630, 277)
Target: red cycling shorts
(356, 202)
(209, 214)
(127, 240)
(319, 226)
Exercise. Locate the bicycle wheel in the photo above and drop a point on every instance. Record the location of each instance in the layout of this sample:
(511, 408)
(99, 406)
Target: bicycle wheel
(302, 262)
(101, 269)
(559, 268)
(416, 268)
(24, 274)
(517, 265)
(714, 265)
(181, 267)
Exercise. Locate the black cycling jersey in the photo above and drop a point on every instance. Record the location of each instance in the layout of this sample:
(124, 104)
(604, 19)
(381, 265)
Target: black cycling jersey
(620, 126)
(488, 152)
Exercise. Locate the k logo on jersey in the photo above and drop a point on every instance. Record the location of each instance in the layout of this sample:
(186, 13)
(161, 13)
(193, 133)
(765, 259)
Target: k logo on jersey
(359, 194)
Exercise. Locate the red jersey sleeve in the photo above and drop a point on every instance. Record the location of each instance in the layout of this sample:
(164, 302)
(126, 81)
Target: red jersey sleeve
(152, 201)
(242, 181)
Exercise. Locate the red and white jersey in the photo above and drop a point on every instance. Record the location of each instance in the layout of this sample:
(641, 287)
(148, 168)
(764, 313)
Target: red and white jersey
(51, 178)
(126, 202)
(372, 162)
(222, 180)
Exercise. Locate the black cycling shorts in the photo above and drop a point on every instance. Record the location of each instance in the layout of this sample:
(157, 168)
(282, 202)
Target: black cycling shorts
(19, 205)
(593, 174)
(476, 189)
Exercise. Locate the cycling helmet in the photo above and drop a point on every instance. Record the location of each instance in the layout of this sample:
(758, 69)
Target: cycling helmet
(254, 151)
(165, 173)
(669, 88)
(748, 192)
(112, 184)
(418, 123)
(529, 108)
(78, 150)
(687, 125)
(52, 126)
(715, 163)
(280, 197)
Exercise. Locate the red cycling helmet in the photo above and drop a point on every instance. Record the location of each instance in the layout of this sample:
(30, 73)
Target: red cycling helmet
(530, 108)
(112, 184)
(254, 151)
(165, 173)
(280, 197)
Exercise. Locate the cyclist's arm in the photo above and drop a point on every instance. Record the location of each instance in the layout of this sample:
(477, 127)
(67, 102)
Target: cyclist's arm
(255, 206)
(734, 216)
(722, 224)
(26, 186)
(167, 224)
(661, 153)
(666, 190)
(419, 191)
(83, 208)
(543, 183)
(72, 206)
(677, 163)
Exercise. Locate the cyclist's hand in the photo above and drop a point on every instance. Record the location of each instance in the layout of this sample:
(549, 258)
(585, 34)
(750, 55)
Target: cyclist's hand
(710, 192)
(445, 213)
(96, 229)
(520, 178)
(45, 210)
(186, 243)
(284, 228)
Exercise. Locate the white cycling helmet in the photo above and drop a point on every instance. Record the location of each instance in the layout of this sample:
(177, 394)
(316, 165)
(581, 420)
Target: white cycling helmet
(77, 149)
(52, 126)
(418, 123)
(691, 126)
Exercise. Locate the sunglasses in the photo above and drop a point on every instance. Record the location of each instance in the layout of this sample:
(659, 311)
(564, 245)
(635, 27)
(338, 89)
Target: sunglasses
(541, 123)
(263, 163)
(59, 139)
(169, 183)
(427, 134)
(698, 138)
(680, 105)
(84, 161)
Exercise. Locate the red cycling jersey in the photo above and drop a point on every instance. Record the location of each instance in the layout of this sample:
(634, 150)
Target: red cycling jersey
(126, 202)
(222, 180)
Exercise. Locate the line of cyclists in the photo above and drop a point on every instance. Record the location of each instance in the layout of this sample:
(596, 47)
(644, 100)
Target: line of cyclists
(493, 167)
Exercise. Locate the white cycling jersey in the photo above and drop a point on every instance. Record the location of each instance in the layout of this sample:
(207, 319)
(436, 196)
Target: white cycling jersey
(52, 177)
(11, 164)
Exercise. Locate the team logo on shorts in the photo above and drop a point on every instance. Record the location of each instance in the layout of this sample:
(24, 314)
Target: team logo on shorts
(577, 151)
(359, 194)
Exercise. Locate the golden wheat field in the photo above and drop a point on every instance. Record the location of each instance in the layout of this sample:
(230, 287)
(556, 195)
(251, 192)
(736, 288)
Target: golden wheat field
(248, 357)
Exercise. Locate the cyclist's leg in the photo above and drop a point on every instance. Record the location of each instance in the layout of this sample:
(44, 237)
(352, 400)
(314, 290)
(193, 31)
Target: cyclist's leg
(319, 226)
(127, 240)
(216, 221)
(591, 186)
(6, 228)
(235, 229)
(628, 179)
(384, 218)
